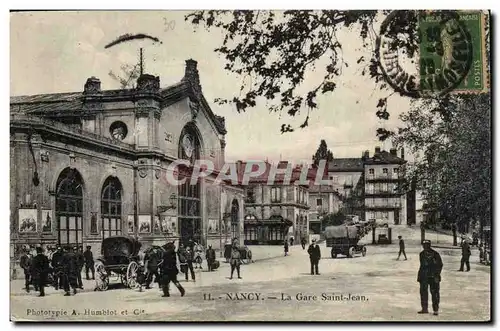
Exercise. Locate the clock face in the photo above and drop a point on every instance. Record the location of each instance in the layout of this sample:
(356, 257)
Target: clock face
(118, 130)
(187, 145)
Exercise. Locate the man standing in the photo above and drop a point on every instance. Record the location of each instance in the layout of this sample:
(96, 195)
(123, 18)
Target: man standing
(25, 263)
(235, 260)
(170, 271)
(303, 242)
(401, 248)
(70, 270)
(189, 263)
(210, 255)
(80, 263)
(40, 270)
(429, 276)
(151, 266)
(291, 240)
(286, 246)
(465, 255)
(314, 257)
(89, 263)
(57, 266)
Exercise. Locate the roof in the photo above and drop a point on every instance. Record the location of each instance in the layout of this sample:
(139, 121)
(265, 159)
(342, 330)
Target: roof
(346, 164)
(384, 157)
(72, 103)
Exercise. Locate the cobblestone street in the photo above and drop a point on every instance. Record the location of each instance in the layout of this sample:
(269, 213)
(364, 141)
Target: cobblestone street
(371, 288)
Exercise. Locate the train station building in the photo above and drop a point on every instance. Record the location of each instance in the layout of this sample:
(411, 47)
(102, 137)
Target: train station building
(92, 164)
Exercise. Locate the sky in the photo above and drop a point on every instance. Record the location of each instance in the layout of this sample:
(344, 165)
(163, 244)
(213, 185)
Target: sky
(57, 51)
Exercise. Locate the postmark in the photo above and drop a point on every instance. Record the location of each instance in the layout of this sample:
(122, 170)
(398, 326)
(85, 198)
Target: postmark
(446, 53)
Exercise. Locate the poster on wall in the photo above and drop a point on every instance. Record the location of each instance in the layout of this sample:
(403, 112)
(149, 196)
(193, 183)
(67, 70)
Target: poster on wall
(47, 218)
(130, 223)
(144, 224)
(27, 220)
(157, 225)
(169, 225)
(213, 226)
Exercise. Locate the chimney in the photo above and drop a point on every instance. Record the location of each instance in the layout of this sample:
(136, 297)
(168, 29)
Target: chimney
(377, 150)
(92, 86)
(403, 153)
(366, 155)
(192, 76)
(394, 152)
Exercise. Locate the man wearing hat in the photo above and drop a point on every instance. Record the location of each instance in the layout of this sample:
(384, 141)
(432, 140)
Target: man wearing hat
(429, 276)
(89, 263)
(80, 259)
(57, 266)
(210, 256)
(314, 257)
(401, 248)
(466, 253)
(25, 263)
(40, 270)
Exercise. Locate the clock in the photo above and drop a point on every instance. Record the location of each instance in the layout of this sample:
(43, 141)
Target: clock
(118, 130)
(188, 145)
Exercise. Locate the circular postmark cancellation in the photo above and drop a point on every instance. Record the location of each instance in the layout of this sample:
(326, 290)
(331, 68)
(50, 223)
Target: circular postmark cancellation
(444, 47)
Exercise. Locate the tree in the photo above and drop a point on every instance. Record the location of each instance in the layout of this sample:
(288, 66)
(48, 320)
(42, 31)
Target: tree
(323, 153)
(452, 140)
(276, 49)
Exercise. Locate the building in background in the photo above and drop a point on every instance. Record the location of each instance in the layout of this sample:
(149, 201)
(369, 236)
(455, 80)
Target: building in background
(92, 164)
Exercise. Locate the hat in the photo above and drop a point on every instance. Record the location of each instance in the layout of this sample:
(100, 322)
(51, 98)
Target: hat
(314, 240)
(400, 237)
(426, 242)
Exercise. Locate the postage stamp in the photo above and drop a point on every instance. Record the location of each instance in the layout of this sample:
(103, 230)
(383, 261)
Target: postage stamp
(246, 169)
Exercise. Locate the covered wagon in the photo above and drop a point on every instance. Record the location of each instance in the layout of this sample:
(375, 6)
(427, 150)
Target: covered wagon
(343, 239)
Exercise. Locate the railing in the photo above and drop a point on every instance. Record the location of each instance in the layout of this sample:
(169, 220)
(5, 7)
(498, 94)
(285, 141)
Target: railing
(68, 128)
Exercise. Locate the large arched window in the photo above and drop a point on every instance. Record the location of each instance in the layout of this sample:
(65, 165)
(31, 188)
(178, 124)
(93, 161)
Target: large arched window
(111, 208)
(189, 193)
(69, 207)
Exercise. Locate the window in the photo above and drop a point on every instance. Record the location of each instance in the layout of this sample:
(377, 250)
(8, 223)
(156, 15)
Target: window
(396, 170)
(275, 194)
(385, 215)
(384, 188)
(371, 171)
(370, 188)
(250, 195)
(69, 208)
(111, 207)
(385, 171)
(335, 179)
(319, 202)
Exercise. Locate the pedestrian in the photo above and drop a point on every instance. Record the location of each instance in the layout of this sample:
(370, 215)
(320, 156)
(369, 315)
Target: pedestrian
(235, 260)
(189, 263)
(57, 266)
(286, 247)
(210, 255)
(303, 242)
(401, 248)
(40, 269)
(314, 257)
(25, 262)
(151, 267)
(89, 263)
(80, 259)
(169, 270)
(70, 271)
(291, 240)
(181, 253)
(429, 276)
(466, 253)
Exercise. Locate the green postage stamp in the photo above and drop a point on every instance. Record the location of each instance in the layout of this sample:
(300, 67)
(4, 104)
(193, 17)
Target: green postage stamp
(453, 52)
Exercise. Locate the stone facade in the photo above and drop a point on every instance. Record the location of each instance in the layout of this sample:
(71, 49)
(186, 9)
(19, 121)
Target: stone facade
(91, 164)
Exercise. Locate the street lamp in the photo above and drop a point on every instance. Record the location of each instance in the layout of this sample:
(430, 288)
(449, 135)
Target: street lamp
(224, 217)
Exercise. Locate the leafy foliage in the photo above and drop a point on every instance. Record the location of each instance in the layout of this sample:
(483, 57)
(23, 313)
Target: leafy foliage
(323, 153)
(452, 138)
(276, 49)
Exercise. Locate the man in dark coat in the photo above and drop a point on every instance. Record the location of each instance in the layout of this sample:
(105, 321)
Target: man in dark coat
(235, 260)
(89, 263)
(466, 253)
(57, 266)
(314, 257)
(169, 271)
(286, 247)
(303, 242)
(189, 263)
(40, 269)
(429, 276)
(70, 271)
(151, 266)
(210, 255)
(401, 248)
(25, 264)
(80, 263)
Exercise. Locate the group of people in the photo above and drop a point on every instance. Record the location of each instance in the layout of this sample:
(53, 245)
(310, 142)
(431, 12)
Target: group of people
(303, 243)
(58, 267)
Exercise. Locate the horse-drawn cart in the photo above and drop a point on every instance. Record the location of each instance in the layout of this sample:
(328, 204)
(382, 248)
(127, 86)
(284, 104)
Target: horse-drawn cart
(119, 257)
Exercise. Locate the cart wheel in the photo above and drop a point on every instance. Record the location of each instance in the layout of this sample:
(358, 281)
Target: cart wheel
(363, 251)
(132, 274)
(334, 255)
(102, 278)
(351, 252)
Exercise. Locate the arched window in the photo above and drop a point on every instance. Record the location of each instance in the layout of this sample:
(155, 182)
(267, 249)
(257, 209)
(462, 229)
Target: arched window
(111, 208)
(189, 193)
(69, 207)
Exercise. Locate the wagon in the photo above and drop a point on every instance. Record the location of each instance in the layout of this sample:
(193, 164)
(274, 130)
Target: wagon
(120, 258)
(344, 240)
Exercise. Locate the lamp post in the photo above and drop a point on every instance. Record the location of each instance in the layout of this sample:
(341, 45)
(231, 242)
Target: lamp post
(223, 220)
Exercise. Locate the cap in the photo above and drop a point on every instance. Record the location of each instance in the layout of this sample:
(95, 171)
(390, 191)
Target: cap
(426, 242)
